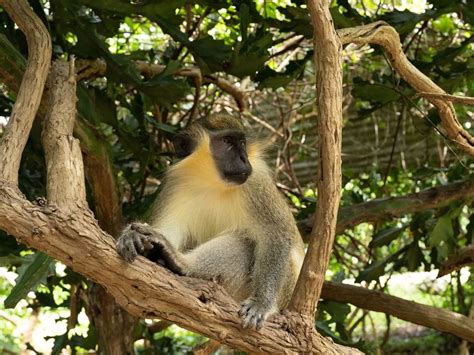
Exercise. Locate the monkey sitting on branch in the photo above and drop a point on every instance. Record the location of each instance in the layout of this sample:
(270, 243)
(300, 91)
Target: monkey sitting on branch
(220, 216)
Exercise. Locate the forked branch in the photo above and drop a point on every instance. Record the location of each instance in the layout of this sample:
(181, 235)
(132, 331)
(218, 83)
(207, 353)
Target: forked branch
(29, 96)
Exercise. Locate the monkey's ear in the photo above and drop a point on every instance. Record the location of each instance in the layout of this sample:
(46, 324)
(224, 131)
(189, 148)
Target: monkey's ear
(183, 144)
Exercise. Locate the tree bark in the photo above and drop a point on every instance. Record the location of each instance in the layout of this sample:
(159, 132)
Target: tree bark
(327, 49)
(29, 95)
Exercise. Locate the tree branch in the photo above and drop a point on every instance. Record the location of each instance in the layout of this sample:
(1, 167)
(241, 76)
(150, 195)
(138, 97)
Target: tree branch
(204, 307)
(386, 36)
(393, 207)
(456, 261)
(465, 100)
(29, 96)
(93, 68)
(432, 317)
(65, 170)
(329, 94)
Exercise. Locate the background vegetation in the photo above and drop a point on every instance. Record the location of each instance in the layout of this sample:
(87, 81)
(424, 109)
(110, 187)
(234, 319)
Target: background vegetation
(255, 60)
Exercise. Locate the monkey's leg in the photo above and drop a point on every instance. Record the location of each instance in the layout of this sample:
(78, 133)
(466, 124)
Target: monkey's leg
(227, 259)
(141, 239)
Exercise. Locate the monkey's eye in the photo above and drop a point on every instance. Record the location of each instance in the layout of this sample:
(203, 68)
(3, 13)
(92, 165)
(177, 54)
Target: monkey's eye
(242, 143)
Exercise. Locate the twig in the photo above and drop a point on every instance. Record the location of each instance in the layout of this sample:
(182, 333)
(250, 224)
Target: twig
(461, 258)
(452, 98)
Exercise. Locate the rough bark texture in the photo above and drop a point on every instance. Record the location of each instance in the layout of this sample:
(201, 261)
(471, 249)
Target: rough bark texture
(29, 95)
(65, 171)
(393, 207)
(329, 126)
(436, 318)
(386, 36)
(147, 290)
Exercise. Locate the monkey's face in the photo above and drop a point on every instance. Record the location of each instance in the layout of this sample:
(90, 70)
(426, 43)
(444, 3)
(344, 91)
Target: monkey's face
(229, 151)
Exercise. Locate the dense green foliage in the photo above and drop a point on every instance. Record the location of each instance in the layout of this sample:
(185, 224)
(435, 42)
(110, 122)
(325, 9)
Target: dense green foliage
(264, 49)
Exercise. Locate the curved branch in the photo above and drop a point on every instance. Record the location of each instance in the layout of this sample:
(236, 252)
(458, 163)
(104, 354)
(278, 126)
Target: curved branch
(29, 96)
(428, 316)
(386, 36)
(329, 127)
(456, 261)
(147, 290)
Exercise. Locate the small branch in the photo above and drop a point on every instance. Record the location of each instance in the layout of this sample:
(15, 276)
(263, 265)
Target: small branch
(393, 207)
(329, 127)
(465, 100)
(65, 171)
(458, 260)
(207, 348)
(382, 34)
(428, 316)
(29, 96)
(98, 68)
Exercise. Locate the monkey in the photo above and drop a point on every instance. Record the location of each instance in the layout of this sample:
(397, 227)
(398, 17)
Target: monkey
(219, 216)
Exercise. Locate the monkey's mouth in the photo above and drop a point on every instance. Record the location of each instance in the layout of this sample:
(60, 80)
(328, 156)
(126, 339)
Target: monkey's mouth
(236, 178)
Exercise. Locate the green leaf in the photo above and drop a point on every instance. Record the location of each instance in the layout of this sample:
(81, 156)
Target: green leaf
(60, 343)
(442, 231)
(31, 274)
(385, 236)
(373, 271)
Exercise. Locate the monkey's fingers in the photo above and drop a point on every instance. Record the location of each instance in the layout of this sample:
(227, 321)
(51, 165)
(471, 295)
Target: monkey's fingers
(126, 249)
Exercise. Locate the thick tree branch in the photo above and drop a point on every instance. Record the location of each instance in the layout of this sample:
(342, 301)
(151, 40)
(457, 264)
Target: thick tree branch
(386, 36)
(393, 207)
(461, 258)
(329, 127)
(29, 96)
(97, 157)
(148, 290)
(65, 170)
(432, 317)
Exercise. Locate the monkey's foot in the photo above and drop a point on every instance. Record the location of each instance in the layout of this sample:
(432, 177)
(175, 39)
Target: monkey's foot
(253, 313)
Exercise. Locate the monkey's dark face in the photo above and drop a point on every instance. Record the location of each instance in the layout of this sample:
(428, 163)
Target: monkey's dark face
(229, 151)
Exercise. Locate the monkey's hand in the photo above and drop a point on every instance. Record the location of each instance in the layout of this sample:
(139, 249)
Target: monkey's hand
(253, 312)
(141, 239)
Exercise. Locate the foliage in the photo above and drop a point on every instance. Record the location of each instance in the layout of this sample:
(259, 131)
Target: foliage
(264, 48)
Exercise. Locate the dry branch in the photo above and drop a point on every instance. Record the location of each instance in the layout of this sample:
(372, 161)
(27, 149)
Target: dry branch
(328, 64)
(148, 290)
(432, 317)
(29, 96)
(393, 207)
(465, 100)
(65, 170)
(93, 68)
(456, 261)
(382, 34)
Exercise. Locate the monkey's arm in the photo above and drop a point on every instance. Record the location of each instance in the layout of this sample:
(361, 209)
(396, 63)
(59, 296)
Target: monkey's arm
(141, 239)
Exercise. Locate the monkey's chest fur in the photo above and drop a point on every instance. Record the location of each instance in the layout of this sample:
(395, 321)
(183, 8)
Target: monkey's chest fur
(196, 216)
